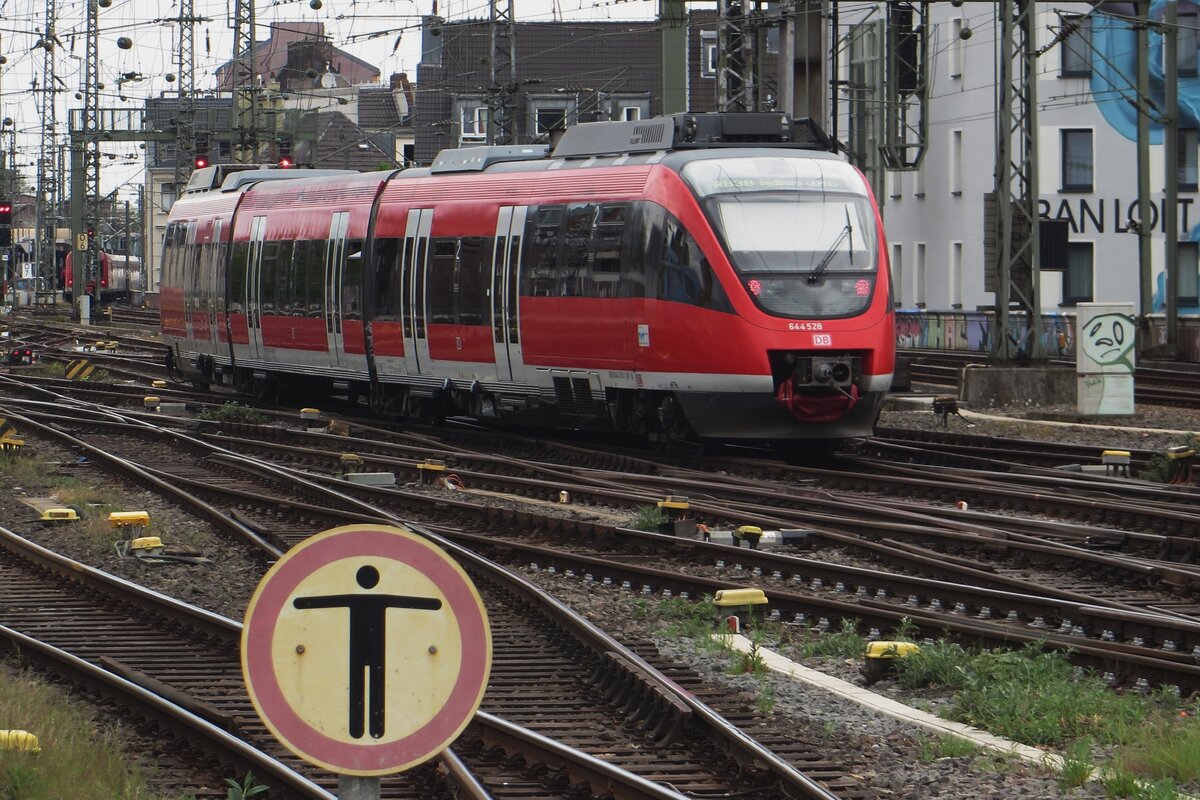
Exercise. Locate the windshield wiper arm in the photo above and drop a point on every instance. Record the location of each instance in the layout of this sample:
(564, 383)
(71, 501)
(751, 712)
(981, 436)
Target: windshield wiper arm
(823, 264)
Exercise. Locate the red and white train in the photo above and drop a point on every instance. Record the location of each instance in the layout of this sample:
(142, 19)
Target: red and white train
(121, 278)
(698, 276)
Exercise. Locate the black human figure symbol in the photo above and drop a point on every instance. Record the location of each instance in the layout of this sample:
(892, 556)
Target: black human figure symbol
(368, 634)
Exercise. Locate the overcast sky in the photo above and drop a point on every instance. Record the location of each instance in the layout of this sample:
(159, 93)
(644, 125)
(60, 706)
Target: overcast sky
(385, 33)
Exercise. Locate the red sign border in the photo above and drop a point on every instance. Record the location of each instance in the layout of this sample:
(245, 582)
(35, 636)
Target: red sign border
(275, 590)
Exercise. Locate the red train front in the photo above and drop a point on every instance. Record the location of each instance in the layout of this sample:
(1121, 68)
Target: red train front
(696, 276)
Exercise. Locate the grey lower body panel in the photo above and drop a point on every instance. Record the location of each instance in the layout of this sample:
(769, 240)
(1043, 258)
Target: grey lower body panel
(761, 417)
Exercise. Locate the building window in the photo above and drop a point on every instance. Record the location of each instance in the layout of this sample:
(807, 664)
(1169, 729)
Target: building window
(956, 162)
(956, 48)
(1185, 57)
(956, 274)
(897, 274)
(1077, 165)
(1189, 142)
(1076, 47)
(708, 54)
(919, 275)
(919, 178)
(625, 107)
(1188, 290)
(1077, 277)
(550, 115)
(167, 195)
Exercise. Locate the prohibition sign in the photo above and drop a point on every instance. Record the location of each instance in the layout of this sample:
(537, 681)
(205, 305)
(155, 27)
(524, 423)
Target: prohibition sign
(366, 650)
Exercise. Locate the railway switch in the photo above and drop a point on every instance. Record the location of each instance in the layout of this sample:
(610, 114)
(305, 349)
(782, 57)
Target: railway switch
(675, 509)
(430, 470)
(146, 546)
(52, 516)
(131, 523)
(1116, 462)
(737, 606)
(750, 534)
(882, 656)
(19, 740)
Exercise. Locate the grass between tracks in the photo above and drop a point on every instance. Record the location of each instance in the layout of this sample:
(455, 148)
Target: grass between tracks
(1141, 746)
(80, 756)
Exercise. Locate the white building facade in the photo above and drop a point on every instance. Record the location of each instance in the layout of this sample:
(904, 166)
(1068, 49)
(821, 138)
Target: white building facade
(1086, 153)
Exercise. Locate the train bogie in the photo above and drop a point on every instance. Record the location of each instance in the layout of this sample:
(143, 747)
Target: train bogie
(684, 288)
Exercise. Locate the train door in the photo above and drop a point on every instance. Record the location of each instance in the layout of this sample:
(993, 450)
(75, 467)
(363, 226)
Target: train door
(258, 232)
(214, 290)
(192, 265)
(412, 285)
(335, 260)
(506, 269)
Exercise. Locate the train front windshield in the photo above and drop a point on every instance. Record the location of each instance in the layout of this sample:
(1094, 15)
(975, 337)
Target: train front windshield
(800, 232)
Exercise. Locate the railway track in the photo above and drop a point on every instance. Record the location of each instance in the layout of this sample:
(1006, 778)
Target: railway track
(1132, 617)
(549, 678)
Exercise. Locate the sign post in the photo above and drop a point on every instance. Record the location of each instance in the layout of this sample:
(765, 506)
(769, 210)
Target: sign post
(366, 650)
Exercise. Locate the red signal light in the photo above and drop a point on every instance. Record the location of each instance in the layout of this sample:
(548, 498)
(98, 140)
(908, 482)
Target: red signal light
(284, 163)
(201, 162)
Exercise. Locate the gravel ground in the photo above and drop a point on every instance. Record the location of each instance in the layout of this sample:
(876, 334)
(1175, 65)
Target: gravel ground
(886, 754)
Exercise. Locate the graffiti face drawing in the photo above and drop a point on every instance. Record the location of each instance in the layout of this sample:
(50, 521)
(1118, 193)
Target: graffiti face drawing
(1108, 339)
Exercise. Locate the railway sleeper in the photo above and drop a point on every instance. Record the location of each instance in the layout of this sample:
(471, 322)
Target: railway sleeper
(661, 716)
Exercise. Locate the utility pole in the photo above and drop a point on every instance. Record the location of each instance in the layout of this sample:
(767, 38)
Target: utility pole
(1016, 200)
(735, 58)
(47, 173)
(185, 139)
(502, 73)
(1171, 167)
(1144, 228)
(245, 79)
(672, 19)
(85, 157)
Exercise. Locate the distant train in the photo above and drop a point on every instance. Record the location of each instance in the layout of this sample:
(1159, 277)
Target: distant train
(698, 276)
(121, 277)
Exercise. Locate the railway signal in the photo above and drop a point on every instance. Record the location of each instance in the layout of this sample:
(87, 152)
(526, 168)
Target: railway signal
(6, 218)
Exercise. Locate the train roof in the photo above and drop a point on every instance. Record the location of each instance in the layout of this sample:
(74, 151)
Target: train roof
(672, 140)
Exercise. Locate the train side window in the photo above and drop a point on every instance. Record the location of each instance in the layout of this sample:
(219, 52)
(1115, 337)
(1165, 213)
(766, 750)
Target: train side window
(237, 276)
(473, 308)
(541, 250)
(387, 279)
(576, 245)
(441, 280)
(606, 249)
(296, 287)
(633, 252)
(285, 302)
(314, 276)
(168, 268)
(684, 275)
(352, 272)
(268, 291)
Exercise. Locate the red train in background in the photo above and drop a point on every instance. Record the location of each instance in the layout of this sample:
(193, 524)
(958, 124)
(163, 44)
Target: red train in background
(121, 278)
(697, 276)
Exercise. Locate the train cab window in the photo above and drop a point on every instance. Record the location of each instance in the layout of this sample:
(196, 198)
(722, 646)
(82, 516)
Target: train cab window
(678, 269)
(442, 265)
(387, 279)
(352, 272)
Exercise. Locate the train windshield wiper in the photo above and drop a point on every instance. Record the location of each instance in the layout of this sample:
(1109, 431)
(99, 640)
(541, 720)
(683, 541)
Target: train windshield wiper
(823, 264)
